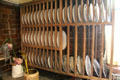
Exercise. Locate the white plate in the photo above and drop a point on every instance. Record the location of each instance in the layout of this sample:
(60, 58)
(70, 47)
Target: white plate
(58, 16)
(103, 12)
(64, 40)
(97, 13)
(22, 37)
(49, 15)
(45, 16)
(38, 38)
(49, 61)
(28, 57)
(31, 18)
(25, 17)
(41, 16)
(63, 14)
(22, 19)
(34, 17)
(28, 18)
(71, 61)
(45, 38)
(42, 60)
(38, 17)
(49, 38)
(109, 10)
(88, 65)
(91, 12)
(32, 37)
(53, 38)
(42, 40)
(96, 66)
(85, 12)
(28, 36)
(38, 58)
(79, 13)
(35, 38)
(54, 15)
(73, 13)
(79, 64)
(25, 38)
(64, 62)
(32, 58)
(68, 13)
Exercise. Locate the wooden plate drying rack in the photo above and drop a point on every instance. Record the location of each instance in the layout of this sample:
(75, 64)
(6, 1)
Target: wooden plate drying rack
(39, 20)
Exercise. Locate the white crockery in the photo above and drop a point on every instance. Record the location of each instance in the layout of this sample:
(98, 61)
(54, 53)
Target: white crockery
(85, 12)
(42, 60)
(58, 16)
(25, 38)
(31, 18)
(49, 15)
(49, 62)
(103, 12)
(64, 62)
(79, 64)
(35, 34)
(41, 16)
(42, 40)
(68, 13)
(38, 38)
(32, 37)
(45, 38)
(28, 36)
(49, 38)
(71, 61)
(25, 17)
(22, 19)
(64, 40)
(63, 14)
(79, 13)
(97, 13)
(38, 17)
(88, 65)
(38, 59)
(45, 16)
(28, 18)
(35, 17)
(96, 66)
(53, 38)
(54, 15)
(73, 13)
(91, 12)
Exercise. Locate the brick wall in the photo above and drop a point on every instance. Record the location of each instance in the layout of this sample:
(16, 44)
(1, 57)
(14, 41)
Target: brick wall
(9, 22)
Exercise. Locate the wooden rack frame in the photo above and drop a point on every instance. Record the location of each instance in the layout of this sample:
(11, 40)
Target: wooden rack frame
(56, 54)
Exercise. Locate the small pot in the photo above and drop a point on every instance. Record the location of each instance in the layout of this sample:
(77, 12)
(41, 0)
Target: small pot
(33, 75)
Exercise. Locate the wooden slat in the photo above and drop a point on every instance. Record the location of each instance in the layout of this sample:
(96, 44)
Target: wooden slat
(84, 48)
(60, 33)
(51, 60)
(55, 35)
(76, 46)
(93, 43)
(70, 11)
(112, 42)
(102, 50)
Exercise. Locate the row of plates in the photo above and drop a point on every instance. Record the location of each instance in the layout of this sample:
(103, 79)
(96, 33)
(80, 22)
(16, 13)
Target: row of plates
(43, 38)
(36, 60)
(40, 17)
